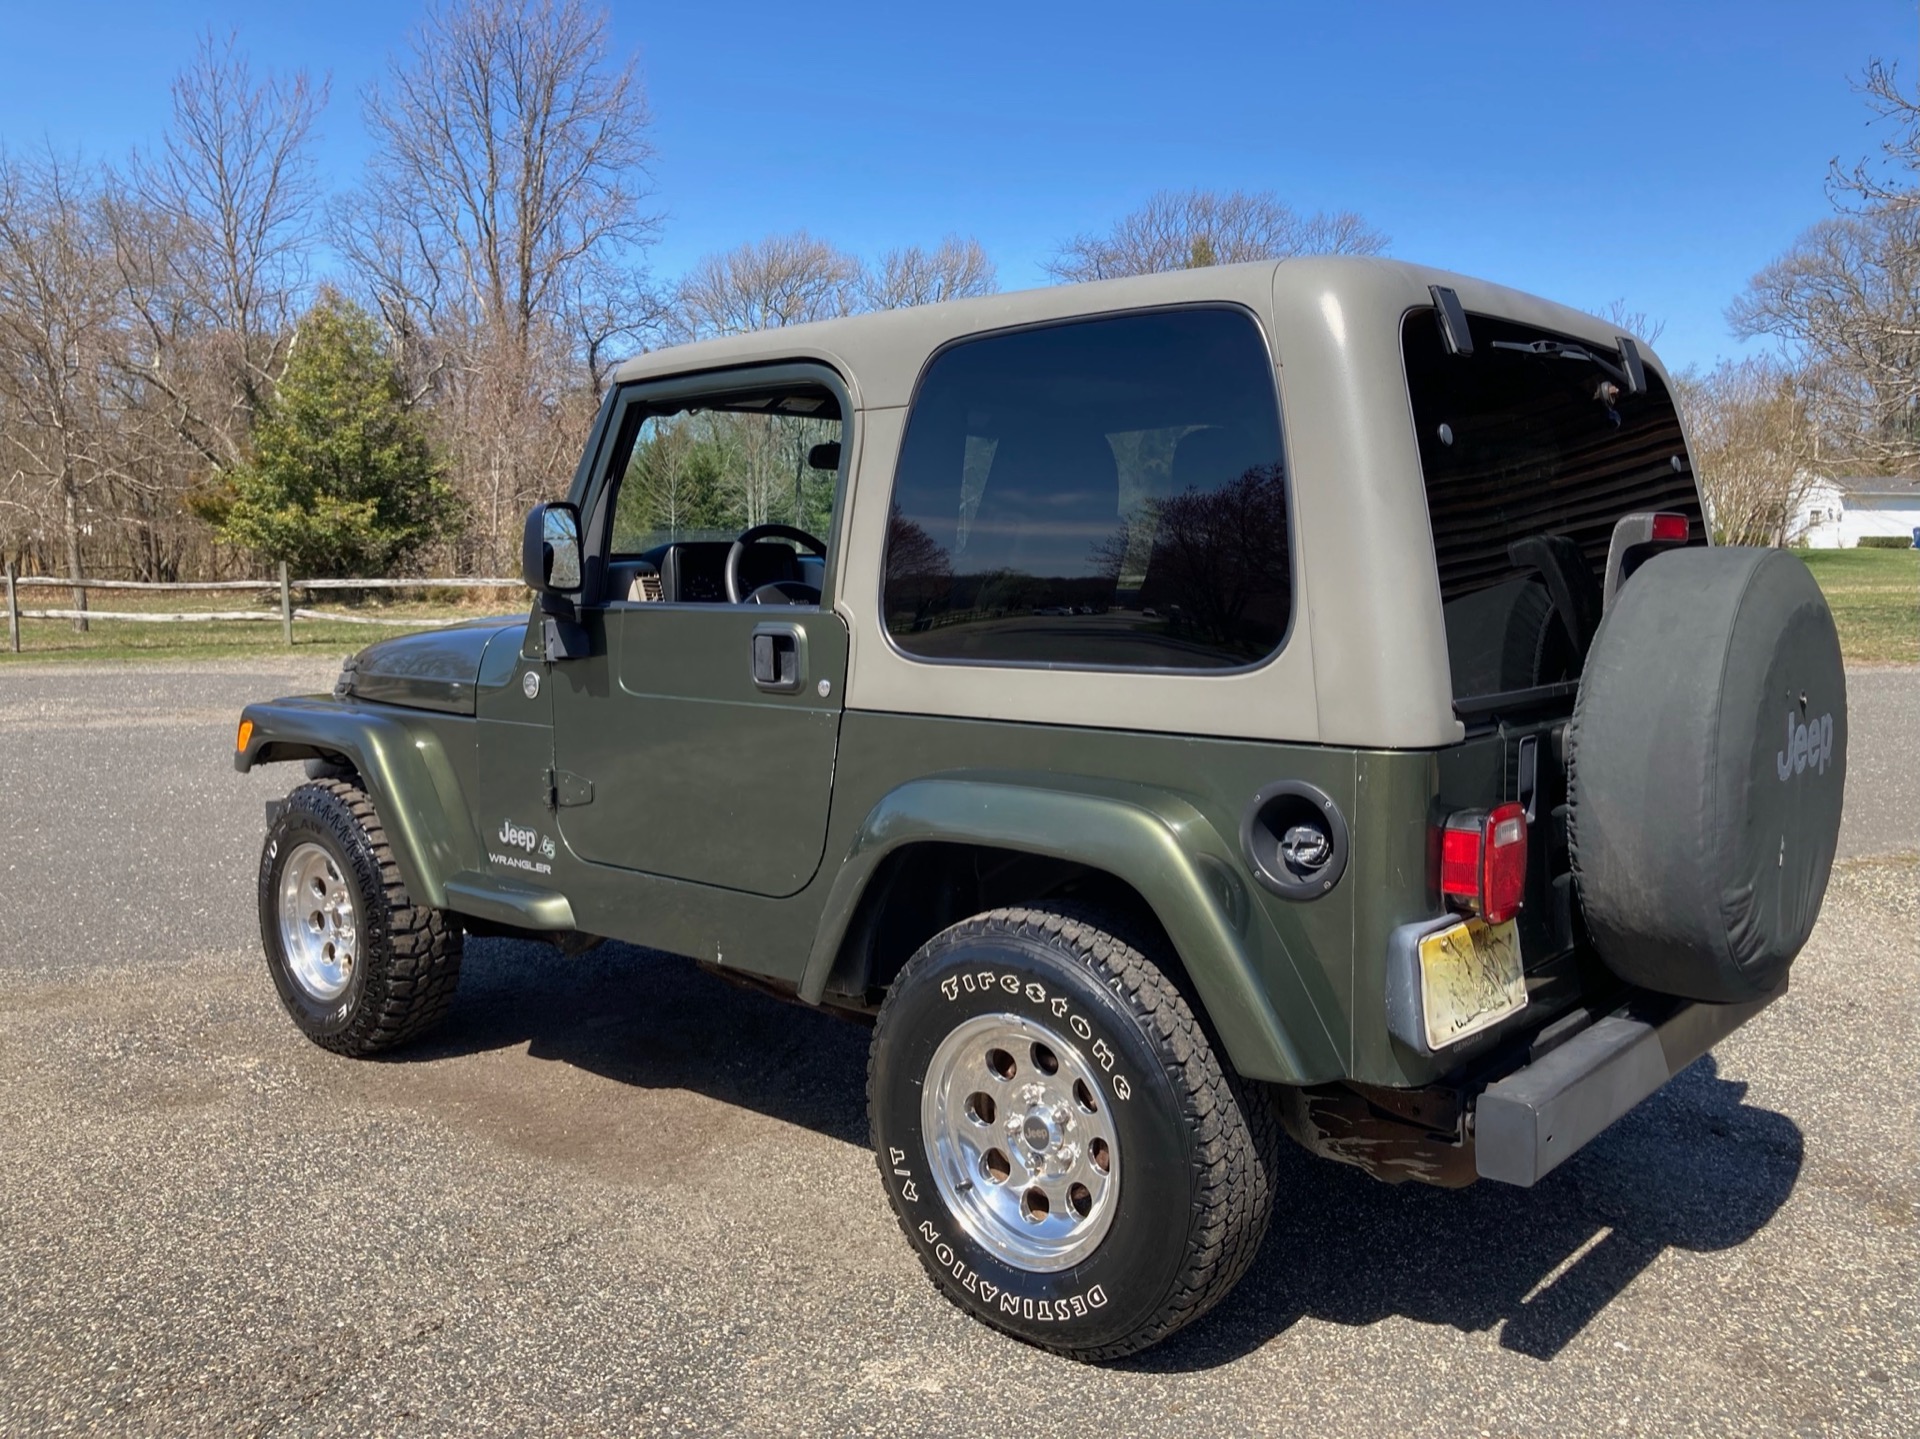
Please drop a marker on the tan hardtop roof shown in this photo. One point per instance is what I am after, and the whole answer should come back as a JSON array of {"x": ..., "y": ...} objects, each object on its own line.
[{"x": 881, "y": 354}]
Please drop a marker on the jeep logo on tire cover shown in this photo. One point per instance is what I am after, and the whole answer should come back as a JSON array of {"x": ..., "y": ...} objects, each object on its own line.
[{"x": 1807, "y": 744}]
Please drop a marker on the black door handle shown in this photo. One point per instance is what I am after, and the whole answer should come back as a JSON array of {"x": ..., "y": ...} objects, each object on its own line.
[{"x": 776, "y": 658}]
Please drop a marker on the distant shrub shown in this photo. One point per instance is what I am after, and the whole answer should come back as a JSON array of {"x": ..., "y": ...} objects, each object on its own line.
[
  {"x": 1886, "y": 542},
  {"x": 343, "y": 480}
]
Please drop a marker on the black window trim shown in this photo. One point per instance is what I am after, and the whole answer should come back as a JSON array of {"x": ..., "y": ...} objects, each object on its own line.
[
  {"x": 602, "y": 488},
  {"x": 1294, "y": 605}
]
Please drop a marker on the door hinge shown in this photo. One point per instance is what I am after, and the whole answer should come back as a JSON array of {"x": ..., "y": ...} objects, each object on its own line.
[{"x": 566, "y": 790}]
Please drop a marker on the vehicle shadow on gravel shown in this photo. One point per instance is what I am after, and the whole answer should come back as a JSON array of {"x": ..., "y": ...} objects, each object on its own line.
[
  {"x": 1695, "y": 1168},
  {"x": 658, "y": 1021}
]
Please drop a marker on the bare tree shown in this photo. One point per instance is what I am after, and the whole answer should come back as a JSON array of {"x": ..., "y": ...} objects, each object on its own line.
[
  {"x": 1186, "y": 229},
  {"x": 954, "y": 269},
  {"x": 792, "y": 279},
  {"x": 212, "y": 234},
  {"x": 511, "y": 151},
  {"x": 1754, "y": 445},
  {"x": 765, "y": 284},
  {"x": 1888, "y": 181},
  {"x": 1211, "y": 551},
  {"x": 611, "y": 311},
  {"x": 1635, "y": 324},
  {"x": 56, "y": 320},
  {"x": 918, "y": 569},
  {"x": 498, "y": 231},
  {"x": 1843, "y": 304}
]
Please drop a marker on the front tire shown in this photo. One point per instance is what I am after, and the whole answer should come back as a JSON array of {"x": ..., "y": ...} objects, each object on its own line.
[
  {"x": 1061, "y": 1146},
  {"x": 358, "y": 965}
]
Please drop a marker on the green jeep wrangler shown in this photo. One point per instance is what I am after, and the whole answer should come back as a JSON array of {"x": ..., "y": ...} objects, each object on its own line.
[{"x": 1291, "y": 698}]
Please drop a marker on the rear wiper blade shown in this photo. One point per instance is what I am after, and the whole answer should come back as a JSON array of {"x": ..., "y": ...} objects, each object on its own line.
[{"x": 1630, "y": 374}]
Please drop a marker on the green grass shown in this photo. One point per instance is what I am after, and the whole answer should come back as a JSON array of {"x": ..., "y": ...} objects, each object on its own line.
[
  {"x": 54, "y": 640},
  {"x": 1875, "y": 595}
]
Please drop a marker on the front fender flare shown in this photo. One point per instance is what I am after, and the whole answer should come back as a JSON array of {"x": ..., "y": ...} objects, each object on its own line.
[
  {"x": 1156, "y": 842},
  {"x": 406, "y": 769}
]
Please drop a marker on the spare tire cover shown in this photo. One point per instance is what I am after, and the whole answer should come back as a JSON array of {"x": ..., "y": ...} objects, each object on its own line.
[{"x": 1707, "y": 761}]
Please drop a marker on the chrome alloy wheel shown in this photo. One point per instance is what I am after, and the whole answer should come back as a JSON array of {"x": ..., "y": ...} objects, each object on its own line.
[
  {"x": 1021, "y": 1141},
  {"x": 318, "y": 932}
]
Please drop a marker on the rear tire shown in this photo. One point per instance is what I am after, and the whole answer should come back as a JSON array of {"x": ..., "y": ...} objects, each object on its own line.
[
  {"x": 1061, "y": 1146},
  {"x": 359, "y": 966}
]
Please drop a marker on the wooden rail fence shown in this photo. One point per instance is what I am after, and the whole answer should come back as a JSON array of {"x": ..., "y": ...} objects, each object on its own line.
[{"x": 286, "y": 612}]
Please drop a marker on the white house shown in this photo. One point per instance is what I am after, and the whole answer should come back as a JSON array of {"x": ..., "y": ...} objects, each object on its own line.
[{"x": 1835, "y": 514}]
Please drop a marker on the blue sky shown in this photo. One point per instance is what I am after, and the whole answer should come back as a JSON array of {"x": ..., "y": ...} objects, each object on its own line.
[{"x": 1656, "y": 152}]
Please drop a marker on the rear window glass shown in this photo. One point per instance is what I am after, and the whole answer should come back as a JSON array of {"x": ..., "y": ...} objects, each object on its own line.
[
  {"x": 1105, "y": 493},
  {"x": 1517, "y": 446}
]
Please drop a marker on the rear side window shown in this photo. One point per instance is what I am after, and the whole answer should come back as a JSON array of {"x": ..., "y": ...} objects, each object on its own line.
[
  {"x": 1516, "y": 446},
  {"x": 1105, "y": 493}
]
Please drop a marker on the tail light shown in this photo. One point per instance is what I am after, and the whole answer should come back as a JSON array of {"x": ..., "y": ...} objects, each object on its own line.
[
  {"x": 1483, "y": 862},
  {"x": 1670, "y": 529}
]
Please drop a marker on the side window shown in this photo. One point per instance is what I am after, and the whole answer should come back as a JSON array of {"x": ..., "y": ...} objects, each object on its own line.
[
  {"x": 1106, "y": 493},
  {"x": 694, "y": 474}
]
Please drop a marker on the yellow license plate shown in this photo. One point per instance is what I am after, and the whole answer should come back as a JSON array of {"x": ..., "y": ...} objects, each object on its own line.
[{"x": 1470, "y": 978}]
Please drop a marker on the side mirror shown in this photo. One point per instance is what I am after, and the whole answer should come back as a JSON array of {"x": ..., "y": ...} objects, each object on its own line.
[{"x": 550, "y": 549}]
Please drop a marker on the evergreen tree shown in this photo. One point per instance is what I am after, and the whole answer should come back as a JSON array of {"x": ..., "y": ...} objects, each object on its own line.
[{"x": 342, "y": 480}]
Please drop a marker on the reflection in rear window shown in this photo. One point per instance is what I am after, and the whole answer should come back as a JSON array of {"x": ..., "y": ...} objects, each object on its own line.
[
  {"x": 1105, "y": 493},
  {"x": 1516, "y": 446}
]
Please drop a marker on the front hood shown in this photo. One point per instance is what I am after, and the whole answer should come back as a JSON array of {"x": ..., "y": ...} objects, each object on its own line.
[{"x": 433, "y": 670}]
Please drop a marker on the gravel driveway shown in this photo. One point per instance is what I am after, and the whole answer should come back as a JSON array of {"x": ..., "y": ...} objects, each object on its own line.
[{"x": 615, "y": 1195}]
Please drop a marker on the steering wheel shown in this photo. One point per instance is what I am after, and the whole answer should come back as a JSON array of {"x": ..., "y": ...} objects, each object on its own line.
[{"x": 777, "y": 592}]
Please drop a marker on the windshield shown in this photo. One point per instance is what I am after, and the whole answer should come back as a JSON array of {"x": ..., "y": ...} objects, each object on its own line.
[{"x": 1520, "y": 446}]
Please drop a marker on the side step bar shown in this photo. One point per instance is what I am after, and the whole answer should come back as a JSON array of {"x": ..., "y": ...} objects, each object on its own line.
[{"x": 1527, "y": 1124}]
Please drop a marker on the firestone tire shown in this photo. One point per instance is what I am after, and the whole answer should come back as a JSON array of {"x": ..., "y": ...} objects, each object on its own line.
[
  {"x": 357, "y": 964},
  {"x": 1179, "y": 1213}
]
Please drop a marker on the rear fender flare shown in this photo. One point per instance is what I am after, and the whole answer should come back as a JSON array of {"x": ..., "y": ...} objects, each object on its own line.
[{"x": 1156, "y": 842}]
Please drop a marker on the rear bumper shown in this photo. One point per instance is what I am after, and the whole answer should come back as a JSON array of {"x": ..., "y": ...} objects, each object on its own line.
[{"x": 1526, "y": 1124}]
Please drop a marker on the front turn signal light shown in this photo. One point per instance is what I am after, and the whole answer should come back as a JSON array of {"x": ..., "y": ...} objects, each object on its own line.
[{"x": 245, "y": 734}]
